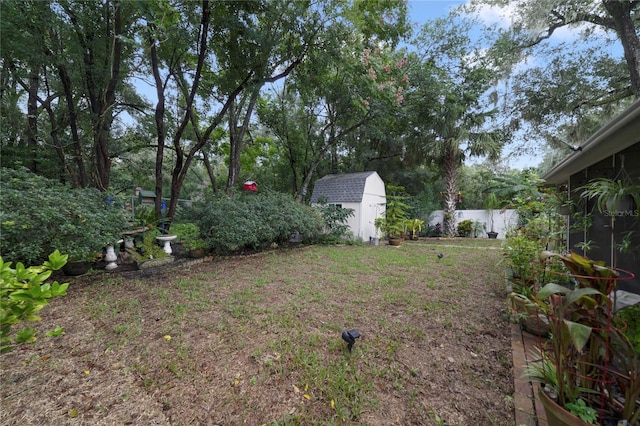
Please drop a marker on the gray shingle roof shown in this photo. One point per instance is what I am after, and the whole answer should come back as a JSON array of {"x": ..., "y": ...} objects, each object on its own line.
[{"x": 347, "y": 187}]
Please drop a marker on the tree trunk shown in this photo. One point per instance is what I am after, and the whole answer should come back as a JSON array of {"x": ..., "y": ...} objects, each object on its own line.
[
  {"x": 236, "y": 138},
  {"x": 620, "y": 12},
  {"x": 32, "y": 118},
  {"x": 108, "y": 98},
  {"x": 81, "y": 173},
  {"x": 450, "y": 197},
  {"x": 210, "y": 173},
  {"x": 159, "y": 120}
]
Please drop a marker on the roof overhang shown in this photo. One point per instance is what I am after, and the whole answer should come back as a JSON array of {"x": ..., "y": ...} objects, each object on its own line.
[{"x": 618, "y": 134}]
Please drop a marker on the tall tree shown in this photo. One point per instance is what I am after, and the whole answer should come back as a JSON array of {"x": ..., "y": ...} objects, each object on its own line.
[
  {"x": 70, "y": 65},
  {"x": 569, "y": 78},
  {"x": 453, "y": 103}
]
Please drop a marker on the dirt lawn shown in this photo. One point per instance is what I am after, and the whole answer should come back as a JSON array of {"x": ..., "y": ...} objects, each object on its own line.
[{"x": 257, "y": 340}]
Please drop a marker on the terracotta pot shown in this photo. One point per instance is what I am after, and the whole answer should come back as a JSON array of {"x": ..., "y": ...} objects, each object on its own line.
[
  {"x": 557, "y": 415},
  {"x": 395, "y": 241},
  {"x": 529, "y": 316},
  {"x": 197, "y": 253}
]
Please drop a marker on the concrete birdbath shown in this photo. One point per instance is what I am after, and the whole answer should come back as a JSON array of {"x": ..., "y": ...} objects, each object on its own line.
[{"x": 166, "y": 239}]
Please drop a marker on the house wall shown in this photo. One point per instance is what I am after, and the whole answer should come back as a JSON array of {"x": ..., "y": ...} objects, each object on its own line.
[
  {"x": 502, "y": 220},
  {"x": 608, "y": 229}
]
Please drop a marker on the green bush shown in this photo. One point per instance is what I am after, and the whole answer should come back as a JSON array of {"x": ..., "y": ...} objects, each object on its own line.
[
  {"x": 24, "y": 292},
  {"x": 521, "y": 253},
  {"x": 631, "y": 316},
  {"x": 465, "y": 228},
  {"x": 334, "y": 220},
  {"x": 254, "y": 221},
  {"x": 39, "y": 216}
]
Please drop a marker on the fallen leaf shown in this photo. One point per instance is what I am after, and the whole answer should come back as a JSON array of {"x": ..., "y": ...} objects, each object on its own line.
[
  {"x": 167, "y": 337},
  {"x": 86, "y": 372},
  {"x": 333, "y": 404},
  {"x": 236, "y": 383},
  {"x": 295, "y": 389},
  {"x": 306, "y": 396}
]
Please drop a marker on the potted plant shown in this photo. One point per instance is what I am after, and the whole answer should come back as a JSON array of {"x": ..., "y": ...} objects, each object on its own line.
[
  {"x": 612, "y": 194},
  {"x": 396, "y": 213},
  {"x": 414, "y": 226},
  {"x": 591, "y": 368},
  {"x": 491, "y": 203},
  {"x": 196, "y": 247},
  {"x": 149, "y": 253},
  {"x": 377, "y": 223},
  {"x": 465, "y": 228},
  {"x": 521, "y": 255},
  {"x": 477, "y": 228}
]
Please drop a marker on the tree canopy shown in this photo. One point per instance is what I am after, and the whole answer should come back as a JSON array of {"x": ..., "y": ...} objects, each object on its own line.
[{"x": 181, "y": 95}]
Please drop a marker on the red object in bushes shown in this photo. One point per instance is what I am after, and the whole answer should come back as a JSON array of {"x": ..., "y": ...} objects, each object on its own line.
[{"x": 250, "y": 186}]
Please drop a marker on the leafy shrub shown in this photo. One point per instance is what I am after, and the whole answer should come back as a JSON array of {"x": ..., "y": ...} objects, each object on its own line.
[
  {"x": 185, "y": 231},
  {"x": 39, "y": 216},
  {"x": 465, "y": 228},
  {"x": 520, "y": 251},
  {"x": 23, "y": 292},
  {"x": 148, "y": 247},
  {"x": 254, "y": 221},
  {"x": 334, "y": 220}
]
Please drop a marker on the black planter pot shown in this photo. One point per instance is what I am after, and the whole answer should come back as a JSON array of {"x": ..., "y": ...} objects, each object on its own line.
[
  {"x": 492, "y": 235},
  {"x": 76, "y": 267}
]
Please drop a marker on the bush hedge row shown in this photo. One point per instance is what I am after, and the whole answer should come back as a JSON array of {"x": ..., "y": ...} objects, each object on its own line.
[{"x": 39, "y": 215}]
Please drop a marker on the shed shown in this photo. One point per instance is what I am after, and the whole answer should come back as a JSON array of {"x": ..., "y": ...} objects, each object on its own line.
[
  {"x": 364, "y": 192},
  {"x": 612, "y": 152}
]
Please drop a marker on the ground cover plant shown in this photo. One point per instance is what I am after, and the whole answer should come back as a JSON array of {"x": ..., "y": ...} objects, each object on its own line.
[{"x": 256, "y": 340}]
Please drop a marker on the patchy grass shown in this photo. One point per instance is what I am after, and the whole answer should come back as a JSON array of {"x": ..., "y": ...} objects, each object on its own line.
[{"x": 256, "y": 340}]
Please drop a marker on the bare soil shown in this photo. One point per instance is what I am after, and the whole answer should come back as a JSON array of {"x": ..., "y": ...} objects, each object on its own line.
[{"x": 256, "y": 340}]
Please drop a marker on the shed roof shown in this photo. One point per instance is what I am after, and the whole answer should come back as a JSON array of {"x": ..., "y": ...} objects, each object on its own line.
[
  {"x": 618, "y": 134},
  {"x": 346, "y": 187}
]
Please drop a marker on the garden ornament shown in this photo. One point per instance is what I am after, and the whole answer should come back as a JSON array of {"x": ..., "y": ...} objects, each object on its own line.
[{"x": 350, "y": 337}]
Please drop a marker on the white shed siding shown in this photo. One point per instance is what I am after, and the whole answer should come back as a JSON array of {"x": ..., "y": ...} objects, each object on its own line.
[
  {"x": 364, "y": 192},
  {"x": 373, "y": 206}
]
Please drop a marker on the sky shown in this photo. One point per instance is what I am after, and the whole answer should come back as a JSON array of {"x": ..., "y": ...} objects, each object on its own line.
[{"x": 424, "y": 10}]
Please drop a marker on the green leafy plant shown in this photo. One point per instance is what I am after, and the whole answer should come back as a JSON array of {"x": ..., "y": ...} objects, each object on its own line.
[
  {"x": 255, "y": 221},
  {"x": 580, "y": 409},
  {"x": 414, "y": 226},
  {"x": 23, "y": 292},
  {"x": 335, "y": 219},
  {"x": 491, "y": 203},
  {"x": 478, "y": 228},
  {"x": 148, "y": 247},
  {"x": 630, "y": 317},
  {"x": 396, "y": 213},
  {"x": 585, "y": 345},
  {"x": 521, "y": 253},
  {"x": 465, "y": 228},
  {"x": 607, "y": 193},
  {"x": 39, "y": 216}
]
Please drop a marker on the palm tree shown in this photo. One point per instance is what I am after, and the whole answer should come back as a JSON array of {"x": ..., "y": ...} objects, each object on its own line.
[
  {"x": 450, "y": 97},
  {"x": 457, "y": 134}
]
